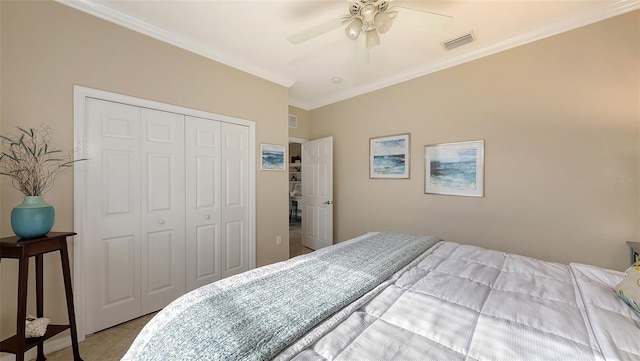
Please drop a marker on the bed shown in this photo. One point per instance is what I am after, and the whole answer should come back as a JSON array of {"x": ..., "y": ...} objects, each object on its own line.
[{"x": 394, "y": 296}]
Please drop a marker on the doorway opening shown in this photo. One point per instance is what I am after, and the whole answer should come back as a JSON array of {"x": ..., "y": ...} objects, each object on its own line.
[{"x": 295, "y": 198}]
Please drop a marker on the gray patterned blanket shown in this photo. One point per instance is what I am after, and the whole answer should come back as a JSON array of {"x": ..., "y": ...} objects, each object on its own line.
[{"x": 258, "y": 317}]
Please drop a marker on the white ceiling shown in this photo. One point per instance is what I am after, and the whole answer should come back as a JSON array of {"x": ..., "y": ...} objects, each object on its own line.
[{"x": 251, "y": 36}]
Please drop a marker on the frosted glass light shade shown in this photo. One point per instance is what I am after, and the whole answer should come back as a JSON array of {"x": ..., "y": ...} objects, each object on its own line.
[
  {"x": 353, "y": 29},
  {"x": 383, "y": 22}
]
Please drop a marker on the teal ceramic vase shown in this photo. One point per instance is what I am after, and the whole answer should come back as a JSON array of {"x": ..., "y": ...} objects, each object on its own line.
[{"x": 33, "y": 218}]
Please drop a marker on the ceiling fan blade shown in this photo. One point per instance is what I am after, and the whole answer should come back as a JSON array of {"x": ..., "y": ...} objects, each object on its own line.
[
  {"x": 362, "y": 52},
  {"x": 318, "y": 30},
  {"x": 421, "y": 20}
]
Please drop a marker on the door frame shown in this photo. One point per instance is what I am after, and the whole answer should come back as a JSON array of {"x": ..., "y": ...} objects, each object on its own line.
[
  {"x": 80, "y": 95},
  {"x": 297, "y": 140}
]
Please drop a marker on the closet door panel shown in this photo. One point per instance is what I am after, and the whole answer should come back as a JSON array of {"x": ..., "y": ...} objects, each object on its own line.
[
  {"x": 158, "y": 257},
  {"x": 207, "y": 252},
  {"x": 203, "y": 202},
  {"x": 112, "y": 242},
  {"x": 235, "y": 211},
  {"x": 117, "y": 180},
  {"x": 120, "y": 265},
  {"x": 163, "y": 242},
  {"x": 234, "y": 246}
]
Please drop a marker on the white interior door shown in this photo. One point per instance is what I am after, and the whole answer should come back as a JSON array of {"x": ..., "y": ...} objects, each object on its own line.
[
  {"x": 317, "y": 193},
  {"x": 112, "y": 246},
  {"x": 203, "y": 220}
]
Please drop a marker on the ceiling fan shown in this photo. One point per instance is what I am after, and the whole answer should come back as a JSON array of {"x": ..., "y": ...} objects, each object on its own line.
[{"x": 369, "y": 18}]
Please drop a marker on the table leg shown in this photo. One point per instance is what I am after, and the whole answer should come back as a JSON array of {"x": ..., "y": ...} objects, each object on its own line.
[
  {"x": 66, "y": 272},
  {"x": 39, "y": 301},
  {"x": 23, "y": 275}
]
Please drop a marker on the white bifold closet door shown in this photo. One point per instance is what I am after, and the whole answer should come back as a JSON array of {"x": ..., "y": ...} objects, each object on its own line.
[
  {"x": 235, "y": 199},
  {"x": 204, "y": 235},
  {"x": 167, "y": 208},
  {"x": 217, "y": 223},
  {"x": 136, "y": 213}
]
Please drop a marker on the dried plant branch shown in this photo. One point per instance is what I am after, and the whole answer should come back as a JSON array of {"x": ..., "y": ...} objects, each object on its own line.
[{"x": 29, "y": 161}]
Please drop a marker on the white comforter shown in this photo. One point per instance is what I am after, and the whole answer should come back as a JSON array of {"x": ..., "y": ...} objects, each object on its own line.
[{"x": 467, "y": 303}]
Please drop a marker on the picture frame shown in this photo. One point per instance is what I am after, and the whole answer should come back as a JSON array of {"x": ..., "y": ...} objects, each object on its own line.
[
  {"x": 272, "y": 157},
  {"x": 389, "y": 156},
  {"x": 455, "y": 169}
]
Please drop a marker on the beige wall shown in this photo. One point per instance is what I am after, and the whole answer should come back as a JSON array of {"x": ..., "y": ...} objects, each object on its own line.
[
  {"x": 48, "y": 47},
  {"x": 560, "y": 120},
  {"x": 302, "y": 130}
]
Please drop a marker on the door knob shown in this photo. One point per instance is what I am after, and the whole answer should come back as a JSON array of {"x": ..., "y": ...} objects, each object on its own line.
[
  {"x": 161, "y": 221},
  {"x": 327, "y": 202},
  {"x": 207, "y": 217}
]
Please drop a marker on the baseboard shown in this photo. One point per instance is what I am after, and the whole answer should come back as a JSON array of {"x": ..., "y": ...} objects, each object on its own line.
[{"x": 49, "y": 347}]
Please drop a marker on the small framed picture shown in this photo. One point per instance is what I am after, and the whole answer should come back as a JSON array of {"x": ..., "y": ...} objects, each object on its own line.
[
  {"x": 455, "y": 169},
  {"x": 272, "y": 157},
  {"x": 389, "y": 156}
]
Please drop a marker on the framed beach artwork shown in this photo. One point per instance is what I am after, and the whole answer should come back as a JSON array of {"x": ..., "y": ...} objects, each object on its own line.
[
  {"x": 455, "y": 169},
  {"x": 272, "y": 157},
  {"x": 389, "y": 157}
]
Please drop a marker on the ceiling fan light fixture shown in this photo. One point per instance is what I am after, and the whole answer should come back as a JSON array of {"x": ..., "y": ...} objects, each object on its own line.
[
  {"x": 353, "y": 29},
  {"x": 368, "y": 12},
  {"x": 354, "y": 8},
  {"x": 372, "y": 38},
  {"x": 383, "y": 22}
]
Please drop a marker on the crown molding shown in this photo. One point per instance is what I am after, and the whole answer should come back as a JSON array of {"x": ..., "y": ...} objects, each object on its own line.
[
  {"x": 606, "y": 11},
  {"x": 109, "y": 14}
]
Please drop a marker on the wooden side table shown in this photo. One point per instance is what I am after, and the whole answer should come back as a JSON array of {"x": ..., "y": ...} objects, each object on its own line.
[
  {"x": 15, "y": 247},
  {"x": 635, "y": 251}
]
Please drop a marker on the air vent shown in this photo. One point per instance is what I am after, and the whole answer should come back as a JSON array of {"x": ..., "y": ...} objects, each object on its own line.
[
  {"x": 459, "y": 41},
  {"x": 293, "y": 121}
]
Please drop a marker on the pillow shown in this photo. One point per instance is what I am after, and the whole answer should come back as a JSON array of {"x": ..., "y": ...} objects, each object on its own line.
[{"x": 629, "y": 288}]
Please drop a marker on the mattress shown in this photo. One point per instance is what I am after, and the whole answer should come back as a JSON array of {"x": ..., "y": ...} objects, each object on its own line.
[{"x": 453, "y": 302}]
